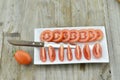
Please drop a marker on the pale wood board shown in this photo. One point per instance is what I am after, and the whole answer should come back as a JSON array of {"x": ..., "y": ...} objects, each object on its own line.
[{"x": 25, "y": 15}]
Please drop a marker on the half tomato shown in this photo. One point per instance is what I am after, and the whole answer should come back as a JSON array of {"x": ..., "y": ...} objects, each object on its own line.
[
  {"x": 99, "y": 34},
  {"x": 93, "y": 35},
  {"x": 66, "y": 35},
  {"x": 58, "y": 35},
  {"x": 43, "y": 57},
  {"x": 46, "y": 35},
  {"x": 74, "y": 36},
  {"x": 51, "y": 53},
  {"x": 78, "y": 53},
  {"x": 61, "y": 53},
  {"x": 84, "y": 35},
  {"x": 86, "y": 51},
  {"x": 97, "y": 50},
  {"x": 69, "y": 53}
]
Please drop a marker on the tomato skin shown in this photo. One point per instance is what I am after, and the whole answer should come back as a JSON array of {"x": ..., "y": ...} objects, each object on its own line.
[
  {"x": 69, "y": 53},
  {"x": 97, "y": 50},
  {"x": 43, "y": 57},
  {"x": 51, "y": 53},
  {"x": 99, "y": 34},
  {"x": 46, "y": 35},
  {"x": 86, "y": 51},
  {"x": 66, "y": 35},
  {"x": 74, "y": 36},
  {"x": 22, "y": 57},
  {"x": 78, "y": 53},
  {"x": 58, "y": 35},
  {"x": 61, "y": 53},
  {"x": 93, "y": 35},
  {"x": 84, "y": 35}
]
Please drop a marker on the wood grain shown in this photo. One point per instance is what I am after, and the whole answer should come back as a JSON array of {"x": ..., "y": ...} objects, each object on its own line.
[
  {"x": 114, "y": 13},
  {"x": 24, "y": 15}
]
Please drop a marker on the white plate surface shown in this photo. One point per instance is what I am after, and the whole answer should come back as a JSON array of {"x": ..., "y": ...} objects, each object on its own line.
[{"x": 103, "y": 42}]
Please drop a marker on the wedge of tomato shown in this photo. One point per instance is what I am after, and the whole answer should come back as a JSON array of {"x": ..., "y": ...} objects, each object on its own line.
[
  {"x": 46, "y": 35},
  {"x": 74, "y": 36},
  {"x": 43, "y": 57},
  {"x": 86, "y": 51},
  {"x": 58, "y": 35},
  {"x": 61, "y": 53},
  {"x": 84, "y": 35},
  {"x": 66, "y": 35},
  {"x": 69, "y": 53},
  {"x": 78, "y": 53},
  {"x": 97, "y": 50},
  {"x": 99, "y": 34},
  {"x": 93, "y": 35},
  {"x": 51, "y": 53}
]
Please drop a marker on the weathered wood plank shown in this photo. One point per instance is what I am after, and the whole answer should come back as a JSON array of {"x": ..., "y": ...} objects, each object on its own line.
[
  {"x": 28, "y": 19},
  {"x": 53, "y": 13},
  {"x": 114, "y": 31},
  {"x": 9, "y": 69},
  {"x": 90, "y": 13},
  {"x": 1, "y": 40},
  {"x": 23, "y": 16}
]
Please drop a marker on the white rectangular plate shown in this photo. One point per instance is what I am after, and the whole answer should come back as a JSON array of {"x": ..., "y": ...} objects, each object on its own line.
[{"x": 103, "y": 42}]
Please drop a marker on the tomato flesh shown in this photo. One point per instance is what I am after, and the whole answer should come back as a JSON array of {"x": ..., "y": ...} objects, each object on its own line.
[
  {"x": 99, "y": 34},
  {"x": 66, "y": 35},
  {"x": 74, "y": 36},
  {"x": 69, "y": 53},
  {"x": 42, "y": 54},
  {"x": 86, "y": 51},
  {"x": 51, "y": 53},
  {"x": 97, "y": 50},
  {"x": 78, "y": 54},
  {"x": 93, "y": 35},
  {"x": 84, "y": 35},
  {"x": 61, "y": 53},
  {"x": 46, "y": 35},
  {"x": 58, "y": 35}
]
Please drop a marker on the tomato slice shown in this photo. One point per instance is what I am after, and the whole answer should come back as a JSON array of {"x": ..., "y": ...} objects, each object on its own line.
[
  {"x": 97, "y": 50},
  {"x": 74, "y": 36},
  {"x": 61, "y": 53},
  {"x": 78, "y": 53},
  {"x": 69, "y": 53},
  {"x": 86, "y": 51},
  {"x": 51, "y": 53},
  {"x": 84, "y": 35},
  {"x": 99, "y": 34},
  {"x": 66, "y": 35},
  {"x": 43, "y": 54},
  {"x": 58, "y": 35},
  {"x": 46, "y": 35},
  {"x": 93, "y": 35}
]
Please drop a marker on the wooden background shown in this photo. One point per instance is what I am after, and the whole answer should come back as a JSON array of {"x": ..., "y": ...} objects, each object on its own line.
[{"x": 24, "y": 15}]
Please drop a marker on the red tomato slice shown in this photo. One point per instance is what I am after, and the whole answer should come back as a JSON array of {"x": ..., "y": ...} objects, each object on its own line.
[
  {"x": 78, "y": 53},
  {"x": 46, "y": 35},
  {"x": 69, "y": 53},
  {"x": 61, "y": 53},
  {"x": 84, "y": 35},
  {"x": 99, "y": 34},
  {"x": 66, "y": 35},
  {"x": 51, "y": 53},
  {"x": 86, "y": 51},
  {"x": 93, "y": 35},
  {"x": 97, "y": 50},
  {"x": 43, "y": 54},
  {"x": 74, "y": 36},
  {"x": 58, "y": 35}
]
